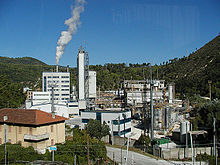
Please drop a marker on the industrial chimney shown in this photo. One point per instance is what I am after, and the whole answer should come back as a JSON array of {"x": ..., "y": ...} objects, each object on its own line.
[
  {"x": 57, "y": 68},
  {"x": 67, "y": 68}
]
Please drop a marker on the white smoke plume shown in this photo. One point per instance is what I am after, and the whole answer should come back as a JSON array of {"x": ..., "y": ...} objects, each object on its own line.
[{"x": 72, "y": 23}]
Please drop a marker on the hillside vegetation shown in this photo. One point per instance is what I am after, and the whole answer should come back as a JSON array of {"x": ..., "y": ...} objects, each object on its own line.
[
  {"x": 190, "y": 73},
  {"x": 11, "y": 94},
  {"x": 22, "y": 60}
]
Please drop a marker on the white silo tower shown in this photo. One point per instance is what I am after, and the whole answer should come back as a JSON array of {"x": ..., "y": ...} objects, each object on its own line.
[{"x": 82, "y": 74}]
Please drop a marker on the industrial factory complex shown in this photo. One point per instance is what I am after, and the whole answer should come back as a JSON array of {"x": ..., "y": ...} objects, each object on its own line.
[
  {"x": 146, "y": 101},
  {"x": 139, "y": 107}
]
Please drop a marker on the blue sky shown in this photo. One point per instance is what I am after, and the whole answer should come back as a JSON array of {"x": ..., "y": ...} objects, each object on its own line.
[{"x": 112, "y": 31}]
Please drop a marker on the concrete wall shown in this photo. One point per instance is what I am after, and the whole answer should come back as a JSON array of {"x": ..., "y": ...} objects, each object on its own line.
[
  {"x": 180, "y": 153},
  {"x": 118, "y": 140}
]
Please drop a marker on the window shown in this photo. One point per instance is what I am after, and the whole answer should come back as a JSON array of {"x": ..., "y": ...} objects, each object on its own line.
[
  {"x": 30, "y": 131},
  {"x": 65, "y": 77},
  {"x": 19, "y": 130},
  {"x": 0, "y": 140},
  {"x": 65, "y": 81},
  {"x": 51, "y": 128},
  {"x": 52, "y": 142},
  {"x": 65, "y": 86},
  {"x": 9, "y": 140},
  {"x": 85, "y": 120},
  {"x": 65, "y": 94},
  {"x": 65, "y": 89},
  {"x": 73, "y": 105}
]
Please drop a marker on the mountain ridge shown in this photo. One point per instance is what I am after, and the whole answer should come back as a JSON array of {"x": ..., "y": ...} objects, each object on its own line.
[{"x": 190, "y": 73}]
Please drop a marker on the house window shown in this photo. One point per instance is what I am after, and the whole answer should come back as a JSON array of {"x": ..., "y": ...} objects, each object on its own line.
[
  {"x": 30, "y": 131},
  {"x": 52, "y": 142},
  {"x": 19, "y": 130},
  {"x": 0, "y": 140},
  {"x": 9, "y": 140},
  {"x": 9, "y": 128},
  {"x": 51, "y": 128}
]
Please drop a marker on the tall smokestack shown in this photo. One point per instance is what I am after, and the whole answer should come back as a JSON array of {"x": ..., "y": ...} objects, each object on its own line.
[
  {"x": 67, "y": 68},
  {"x": 72, "y": 23},
  {"x": 57, "y": 68}
]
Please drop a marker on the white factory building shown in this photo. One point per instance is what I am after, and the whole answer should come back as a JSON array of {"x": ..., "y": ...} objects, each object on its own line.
[
  {"x": 61, "y": 83},
  {"x": 92, "y": 84},
  {"x": 118, "y": 121},
  {"x": 138, "y": 90},
  {"x": 65, "y": 104}
]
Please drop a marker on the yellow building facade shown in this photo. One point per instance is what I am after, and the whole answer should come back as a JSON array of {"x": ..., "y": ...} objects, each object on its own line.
[{"x": 32, "y": 128}]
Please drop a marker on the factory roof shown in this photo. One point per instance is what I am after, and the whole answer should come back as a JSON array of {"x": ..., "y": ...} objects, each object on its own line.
[
  {"x": 107, "y": 111},
  {"x": 28, "y": 117}
]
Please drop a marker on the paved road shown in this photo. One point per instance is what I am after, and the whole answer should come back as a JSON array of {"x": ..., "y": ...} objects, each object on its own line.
[{"x": 133, "y": 158}]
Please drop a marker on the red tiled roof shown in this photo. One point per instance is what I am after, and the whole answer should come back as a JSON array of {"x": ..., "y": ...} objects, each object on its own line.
[{"x": 28, "y": 116}]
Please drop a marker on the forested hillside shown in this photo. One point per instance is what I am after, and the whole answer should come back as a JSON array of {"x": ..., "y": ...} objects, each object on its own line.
[
  {"x": 11, "y": 94},
  {"x": 22, "y": 60},
  {"x": 190, "y": 73}
]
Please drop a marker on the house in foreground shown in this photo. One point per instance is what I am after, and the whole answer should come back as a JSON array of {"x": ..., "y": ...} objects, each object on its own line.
[{"x": 31, "y": 127}]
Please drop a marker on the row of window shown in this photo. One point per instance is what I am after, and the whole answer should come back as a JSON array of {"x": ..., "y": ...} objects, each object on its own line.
[
  {"x": 65, "y": 94},
  {"x": 65, "y": 86},
  {"x": 58, "y": 76},
  {"x": 58, "y": 89},
  {"x": 65, "y": 89},
  {"x": 64, "y": 76},
  {"x": 65, "y": 98},
  {"x": 115, "y": 122},
  {"x": 66, "y": 81},
  {"x": 53, "y": 81},
  {"x": 115, "y": 133},
  {"x": 53, "y": 76},
  {"x": 9, "y": 129},
  {"x": 40, "y": 94}
]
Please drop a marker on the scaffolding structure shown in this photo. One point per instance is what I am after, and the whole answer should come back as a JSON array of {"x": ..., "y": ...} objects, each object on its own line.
[{"x": 86, "y": 74}]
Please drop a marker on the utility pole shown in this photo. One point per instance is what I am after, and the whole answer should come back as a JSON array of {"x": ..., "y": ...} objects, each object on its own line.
[
  {"x": 151, "y": 105},
  {"x": 112, "y": 134},
  {"x": 124, "y": 116},
  {"x": 186, "y": 152},
  {"x": 214, "y": 141},
  {"x": 5, "y": 137},
  {"x": 145, "y": 106}
]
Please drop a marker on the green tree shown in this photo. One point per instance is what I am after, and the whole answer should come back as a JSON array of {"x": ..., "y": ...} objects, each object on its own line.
[{"x": 95, "y": 129}]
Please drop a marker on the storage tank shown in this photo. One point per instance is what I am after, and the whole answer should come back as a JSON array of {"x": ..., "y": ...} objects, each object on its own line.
[
  {"x": 184, "y": 126},
  {"x": 170, "y": 90}
]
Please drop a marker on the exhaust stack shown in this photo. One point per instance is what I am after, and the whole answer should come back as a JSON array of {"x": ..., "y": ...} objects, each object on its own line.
[
  {"x": 57, "y": 68},
  {"x": 67, "y": 68}
]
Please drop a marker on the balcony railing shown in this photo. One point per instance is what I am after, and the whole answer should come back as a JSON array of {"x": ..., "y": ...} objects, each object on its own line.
[{"x": 36, "y": 137}]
